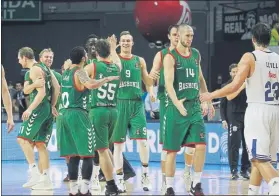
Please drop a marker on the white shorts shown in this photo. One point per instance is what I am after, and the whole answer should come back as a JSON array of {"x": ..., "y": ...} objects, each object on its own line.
[{"x": 261, "y": 131}]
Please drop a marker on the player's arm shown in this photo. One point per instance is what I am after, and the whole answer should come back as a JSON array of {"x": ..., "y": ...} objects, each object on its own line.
[
  {"x": 90, "y": 69},
  {"x": 56, "y": 89},
  {"x": 236, "y": 93},
  {"x": 28, "y": 88},
  {"x": 113, "y": 54},
  {"x": 7, "y": 100},
  {"x": 144, "y": 74},
  {"x": 157, "y": 64},
  {"x": 82, "y": 76},
  {"x": 243, "y": 72}
]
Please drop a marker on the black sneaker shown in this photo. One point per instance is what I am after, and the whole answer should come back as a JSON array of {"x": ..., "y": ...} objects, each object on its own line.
[
  {"x": 66, "y": 179},
  {"x": 235, "y": 176},
  {"x": 88, "y": 193},
  {"x": 111, "y": 190},
  {"x": 197, "y": 190},
  {"x": 170, "y": 191},
  {"x": 245, "y": 175}
]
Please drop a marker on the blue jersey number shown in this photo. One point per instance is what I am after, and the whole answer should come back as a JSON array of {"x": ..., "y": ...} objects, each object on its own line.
[{"x": 272, "y": 91}]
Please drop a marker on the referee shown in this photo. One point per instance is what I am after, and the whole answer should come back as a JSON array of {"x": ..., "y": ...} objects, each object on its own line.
[{"x": 232, "y": 113}]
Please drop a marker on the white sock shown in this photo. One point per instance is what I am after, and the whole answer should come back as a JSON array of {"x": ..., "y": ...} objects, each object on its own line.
[
  {"x": 170, "y": 182},
  {"x": 84, "y": 186},
  {"x": 253, "y": 190},
  {"x": 188, "y": 168},
  {"x": 144, "y": 170},
  {"x": 273, "y": 182},
  {"x": 163, "y": 178},
  {"x": 96, "y": 170},
  {"x": 73, "y": 187},
  {"x": 196, "y": 178},
  {"x": 46, "y": 172}
]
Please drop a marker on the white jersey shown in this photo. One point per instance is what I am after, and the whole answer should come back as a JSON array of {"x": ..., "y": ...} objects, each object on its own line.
[{"x": 263, "y": 85}]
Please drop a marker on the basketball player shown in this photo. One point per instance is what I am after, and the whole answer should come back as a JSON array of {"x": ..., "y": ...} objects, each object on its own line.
[
  {"x": 103, "y": 112},
  {"x": 37, "y": 118},
  {"x": 184, "y": 124},
  {"x": 77, "y": 135},
  {"x": 131, "y": 110},
  {"x": 7, "y": 101},
  {"x": 260, "y": 69}
]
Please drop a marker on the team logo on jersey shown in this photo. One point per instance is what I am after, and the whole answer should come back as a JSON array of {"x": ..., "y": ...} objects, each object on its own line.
[
  {"x": 202, "y": 135},
  {"x": 109, "y": 69},
  {"x": 137, "y": 65},
  {"x": 138, "y": 132},
  {"x": 197, "y": 62},
  {"x": 100, "y": 75}
]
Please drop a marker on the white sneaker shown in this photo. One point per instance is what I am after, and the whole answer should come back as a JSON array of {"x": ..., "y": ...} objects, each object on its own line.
[
  {"x": 145, "y": 182},
  {"x": 163, "y": 188},
  {"x": 33, "y": 179},
  {"x": 95, "y": 184},
  {"x": 187, "y": 180},
  {"x": 44, "y": 183},
  {"x": 121, "y": 184}
]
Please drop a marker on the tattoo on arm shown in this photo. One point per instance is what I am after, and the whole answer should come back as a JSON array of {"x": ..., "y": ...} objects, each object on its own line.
[{"x": 82, "y": 76}]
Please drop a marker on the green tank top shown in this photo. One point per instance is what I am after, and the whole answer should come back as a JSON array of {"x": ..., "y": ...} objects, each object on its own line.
[
  {"x": 71, "y": 97},
  {"x": 161, "y": 89},
  {"x": 48, "y": 84},
  {"x": 59, "y": 78},
  {"x": 186, "y": 75},
  {"x": 106, "y": 94},
  {"x": 130, "y": 86}
]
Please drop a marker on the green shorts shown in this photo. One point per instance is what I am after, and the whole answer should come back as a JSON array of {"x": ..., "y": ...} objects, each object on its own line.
[
  {"x": 38, "y": 128},
  {"x": 162, "y": 116},
  {"x": 103, "y": 120},
  {"x": 76, "y": 133},
  {"x": 184, "y": 130},
  {"x": 130, "y": 114}
]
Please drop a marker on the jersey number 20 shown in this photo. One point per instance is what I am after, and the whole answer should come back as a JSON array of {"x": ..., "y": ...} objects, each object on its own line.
[
  {"x": 108, "y": 92},
  {"x": 272, "y": 91}
]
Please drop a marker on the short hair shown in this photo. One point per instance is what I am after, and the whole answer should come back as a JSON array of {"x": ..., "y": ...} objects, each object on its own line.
[
  {"x": 45, "y": 50},
  {"x": 171, "y": 27},
  {"x": 103, "y": 48},
  {"x": 77, "y": 54},
  {"x": 125, "y": 33},
  {"x": 234, "y": 65},
  {"x": 92, "y": 36},
  {"x": 184, "y": 26},
  {"x": 27, "y": 52},
  {"x": 262, "y": 34}
]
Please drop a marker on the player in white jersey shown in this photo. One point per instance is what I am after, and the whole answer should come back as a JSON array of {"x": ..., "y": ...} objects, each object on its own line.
[{"x": 260, "y": 69}]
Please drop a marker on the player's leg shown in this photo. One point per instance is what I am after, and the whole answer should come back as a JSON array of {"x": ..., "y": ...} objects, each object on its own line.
[
  {"x": 188, "y": 155},
  {"x": 28, "y": 131},
  {"x": 175, "y": 131},
  {"x": 245, "y": 163},
  {"x": 138, "y": 132},
  {"x": 262, "y": 141},
  {"x": 119, "y": 138}
]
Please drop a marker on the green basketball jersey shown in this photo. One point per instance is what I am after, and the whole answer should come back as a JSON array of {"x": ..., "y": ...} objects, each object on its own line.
[
  {"x": 130, "y": 86},
  {"x": 106, "y": 94},
  {"x": 161, "y": 89},
  {"x": 48, "y": 84},
  {"x": 186, "y": 75},
  {"x": 58, "y": 76},
  {"x": 70, "y": 96}
]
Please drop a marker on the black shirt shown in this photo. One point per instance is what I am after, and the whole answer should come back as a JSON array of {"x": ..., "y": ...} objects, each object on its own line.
[{"x": 21, "y": 100}]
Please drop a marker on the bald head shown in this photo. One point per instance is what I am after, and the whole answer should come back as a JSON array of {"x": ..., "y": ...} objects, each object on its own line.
[
  {"x": 184, "y": 27},
  {"x": 186, "y": 34}
]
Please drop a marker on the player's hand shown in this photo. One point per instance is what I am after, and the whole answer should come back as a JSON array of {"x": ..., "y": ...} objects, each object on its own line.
[
  {"x": 204, "y": 108},
  {"x": 26, "y": 114},
  {"x": 205, "y": 97},
  {"x": 113, "y": 42},
  {"x": 67, "y": 64},
  {"x": 154, "y": 75},
  {"x": 110, "y": 78},
  {"x": 152, "y": 97},
  {"x": 10, "y": 125},
  {"x": 54, "y": 111},
  {"x": 152, "y": 115},
  {"x": 179, "y": 105},
  {"x": 211, "y": 113},
  {"x": 225, "y": 125},
  {"x": 40, "y": 82}
]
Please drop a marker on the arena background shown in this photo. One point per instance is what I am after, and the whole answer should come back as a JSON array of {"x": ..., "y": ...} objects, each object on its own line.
[{"x": 61, "y": 26}]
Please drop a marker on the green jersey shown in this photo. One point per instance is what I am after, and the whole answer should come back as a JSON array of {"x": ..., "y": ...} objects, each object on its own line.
[
  {"x": 71, "y": 96},
  {"x": 161, "y": 89},
  {"x": 48, "y": 84},
  {"x": 59, "y": 79},
  {"x": 186, "y": 75},
  {"x": 106, "y": 94},
  {"x": 130, "y": 86}
]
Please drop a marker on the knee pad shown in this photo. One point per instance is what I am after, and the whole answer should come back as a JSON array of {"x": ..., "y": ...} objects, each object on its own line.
[
  {"x": 164, "y": 155},
  {"x": 189, "y": 151},
  {"x": 73, "y": 168}
]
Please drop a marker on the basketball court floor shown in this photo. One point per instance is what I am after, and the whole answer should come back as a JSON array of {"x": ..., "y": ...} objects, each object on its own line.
[{"x": 215, "y": 181}]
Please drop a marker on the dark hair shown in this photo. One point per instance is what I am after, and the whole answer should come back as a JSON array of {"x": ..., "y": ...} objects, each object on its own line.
[
  {"x": 103, "y": 48},
  {"x": 77, "y": 54},
  {"x": 171, "y": 27},
  {"x": 19, "y": 82},
  {"x": 262, "y": 34},
  {"x": 27, "y": 52},
  {"x": 234, "y": 65}
]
